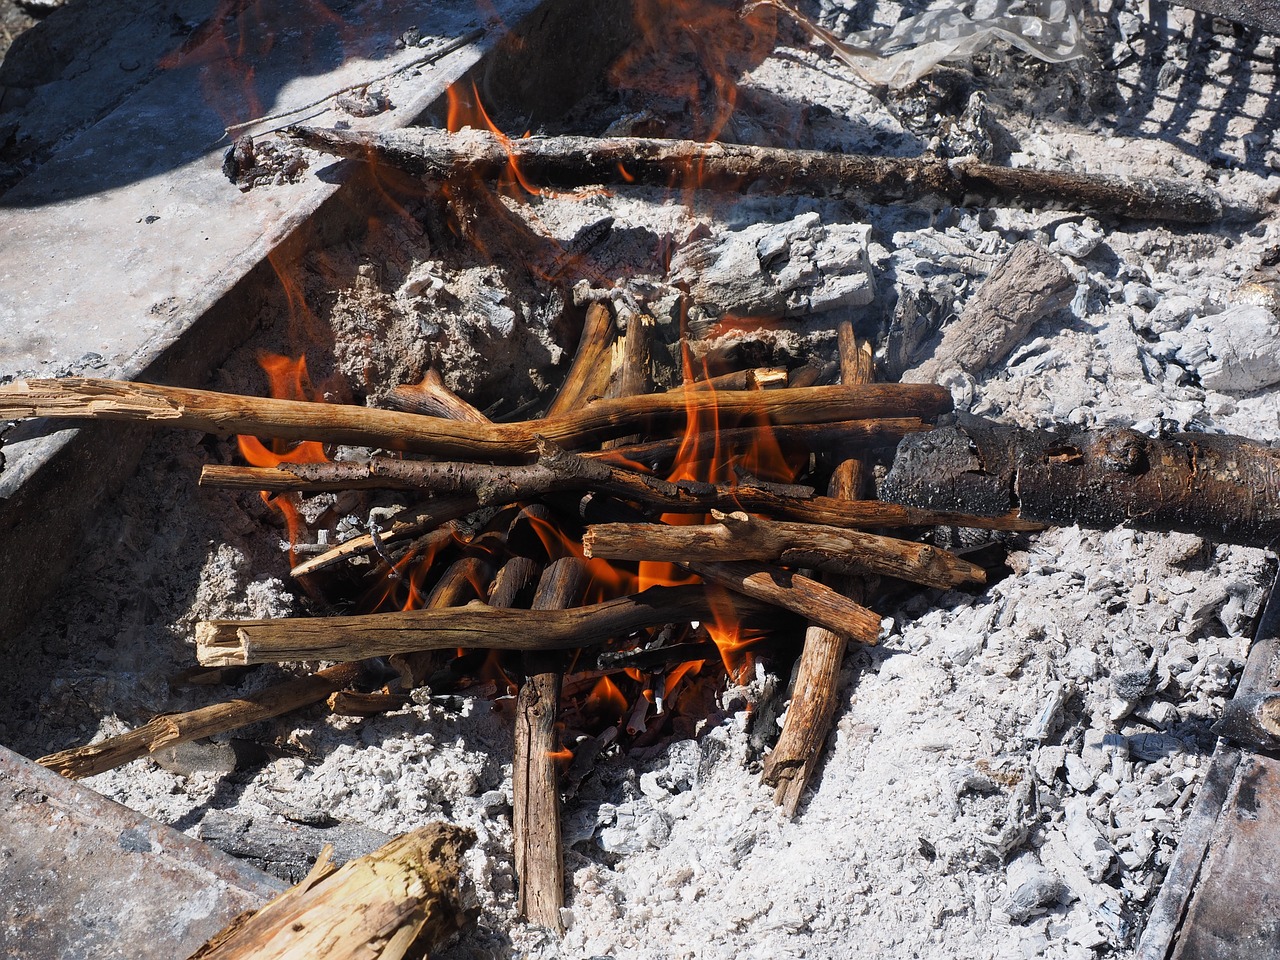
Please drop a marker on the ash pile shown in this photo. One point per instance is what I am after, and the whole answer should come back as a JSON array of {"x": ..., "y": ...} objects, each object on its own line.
[{"x": 1010, "y": 766}]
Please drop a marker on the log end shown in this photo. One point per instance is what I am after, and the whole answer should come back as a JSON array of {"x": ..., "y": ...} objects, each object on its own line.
[{"x": 220, "y": 643}]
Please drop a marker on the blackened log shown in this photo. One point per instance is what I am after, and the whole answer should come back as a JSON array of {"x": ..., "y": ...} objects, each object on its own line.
[{"x": 1222, "y": 488}]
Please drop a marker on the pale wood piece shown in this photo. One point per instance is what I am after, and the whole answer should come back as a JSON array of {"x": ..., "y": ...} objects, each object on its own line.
[
  {"x": 226, "y": 414},
  {"x": 588, "y": 374},
  {"x": 476, "y": 625},
  {"x": 174, "y": 728},
  {"x": 742, "y": 536},
  {"x": 1026, "y": 285},
  {"x": 793, "y": 592},
  {"x": 372, "y": 908},
  {"x": 579, "y": 161},
  {"x": 535, "y": 820}
]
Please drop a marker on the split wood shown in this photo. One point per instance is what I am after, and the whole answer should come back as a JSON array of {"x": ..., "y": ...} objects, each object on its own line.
[
  {"x": 742, "y": 536},
  {"x": 581, "y": 161},
  {"x": 171, "y": 729},
  {"x": 476, "y": 625},
  {"x": 535, "y": 821},
  {"x": 1026, "y": 285},
  {"x": 405, "y": 894},
  {"x": 225, "y": 414}
]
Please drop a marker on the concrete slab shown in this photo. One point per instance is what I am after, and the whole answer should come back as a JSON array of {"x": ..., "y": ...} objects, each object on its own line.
[
  {"x": 85, "y": 877},
  {"x": 128, "y": 254}
]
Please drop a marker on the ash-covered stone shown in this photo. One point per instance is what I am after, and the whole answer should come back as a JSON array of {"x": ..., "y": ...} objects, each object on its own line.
[{"x": 796, "y": 268}]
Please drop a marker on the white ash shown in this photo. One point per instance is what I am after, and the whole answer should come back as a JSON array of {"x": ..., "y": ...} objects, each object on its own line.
[{"x": 1009, "y": 770}]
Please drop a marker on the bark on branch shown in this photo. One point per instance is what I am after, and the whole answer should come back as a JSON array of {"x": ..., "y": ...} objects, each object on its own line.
[
  {"x": 742, "y": 536},
  {"x": 225, "y": 414},
  {"x": 477, "y": 625},
  {"x": 174, "y": 728},
  {"x": 1223, "y": 488},
  {"x": 579, "y": 161}
]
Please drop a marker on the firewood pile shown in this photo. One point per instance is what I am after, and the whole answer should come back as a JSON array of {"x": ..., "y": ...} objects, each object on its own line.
[{"x": 658, "y": 499}]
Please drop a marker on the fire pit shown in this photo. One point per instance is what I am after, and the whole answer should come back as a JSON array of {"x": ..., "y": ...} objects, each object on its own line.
[{"x": 1010, "y": 762}]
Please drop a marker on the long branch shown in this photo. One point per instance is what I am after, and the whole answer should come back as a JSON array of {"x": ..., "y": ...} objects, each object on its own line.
[
  {"x": 741, "y": 536},
  {"x": 224, "y": 414},
  {"x": 477, "y": 625},
  {"x": 578, "y": 161}
]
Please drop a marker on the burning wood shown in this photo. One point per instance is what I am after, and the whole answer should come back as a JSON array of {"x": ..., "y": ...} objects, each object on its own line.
[
  {"x": 577, "y": 161},
  {"x": 741, "y": 536},
  {"x": 477, "y": 625},
  {"x": 224, "y": 414}
]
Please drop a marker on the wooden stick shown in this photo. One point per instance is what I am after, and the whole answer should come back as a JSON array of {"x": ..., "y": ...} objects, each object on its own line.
[
  {"x": 790, "y": 765},
  {"x": 793, "y": 592},
  {"x": 759, "y": 378},
  {"x": 224, "y": 414},
  {"x": 742, "y": 536},
  {"x": 174, "y": 728},
  {"x": 1223, "y": 488},
  {"x": 588, "y": 374},
  {"x": 431, "y": 398},
  {"x": 579, "y": 161},
  {"x": 560, "y": 470},
  {"x": 535, "y": 820},
  {"x": 230, "y": 642},
  {"x": 404, "y": 893}
]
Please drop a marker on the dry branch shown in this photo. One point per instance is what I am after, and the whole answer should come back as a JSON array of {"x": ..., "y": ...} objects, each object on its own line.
[
  {"x": 375, "y": 907},
  {"x": 224, "y": 414},
  {"x": 477, "y": 625},
  {"x": 794, "y": 758},
  {"x": 793, "y": 592},
  {"x": 741, "y": 536},
  {"x": 580, "y": 161},
  {"x": 174, "y": 728},
  {"x": 535, "y": 820},
  {"x": 431, "y": 398},
  {"x": 1223, "y": 488}
]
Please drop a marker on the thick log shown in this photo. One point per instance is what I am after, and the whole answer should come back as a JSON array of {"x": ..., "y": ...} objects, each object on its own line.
[
  {"x": 793, "y": 592},
  {"x": 477, "y": 625},
  {"x": 1026, "y": 285},
  {"x": 1223, "y": 488},
  {"x": 535, "y": 819},
  {"x": 741, "y": 536},
  {"x": 376, "y": 906},
  {"x": 174, "y": 728},
  {"x": 225, "y": 414},
  {"x": 588, "y": 374},
  {"x": 579, "y": 161}
]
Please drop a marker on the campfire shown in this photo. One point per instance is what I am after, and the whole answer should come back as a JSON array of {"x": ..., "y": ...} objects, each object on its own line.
[{"x": 609, "y": 450}]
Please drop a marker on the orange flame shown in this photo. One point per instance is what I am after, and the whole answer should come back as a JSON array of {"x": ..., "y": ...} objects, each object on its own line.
[
  {"x": 468, "y": 111},
  {"x": 606, "y": 701}
]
